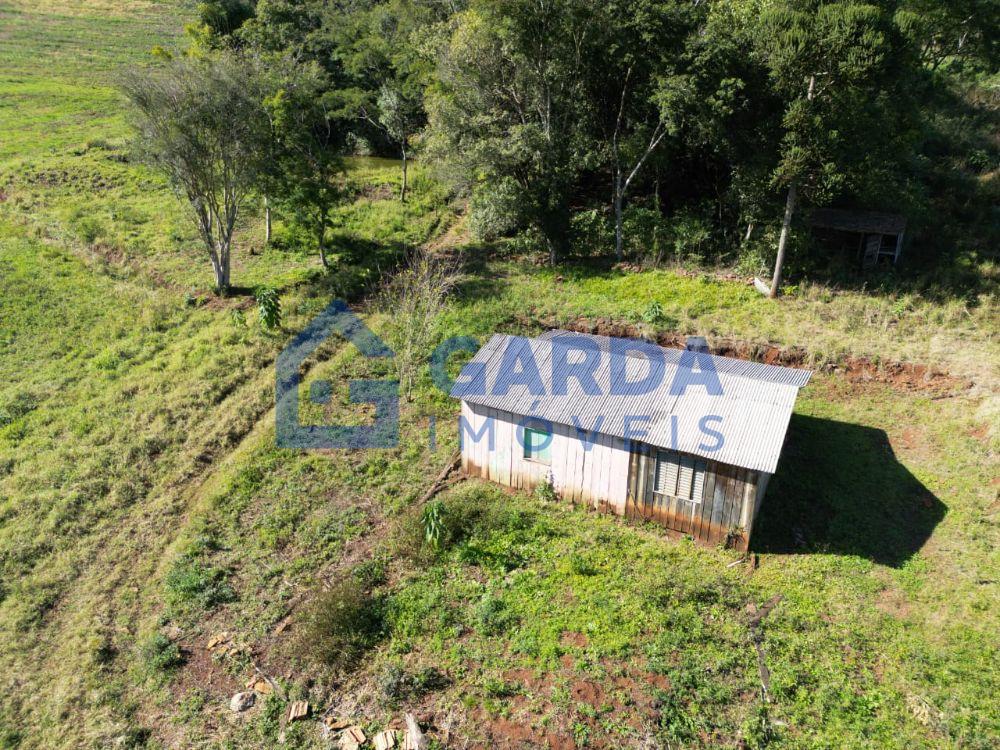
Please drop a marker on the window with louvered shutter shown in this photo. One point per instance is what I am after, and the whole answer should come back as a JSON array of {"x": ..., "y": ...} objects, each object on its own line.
[
  {"x": 678, "y": 475},
  {"x": 666, "y": 473},
  {"x": 699, "y": 480}
]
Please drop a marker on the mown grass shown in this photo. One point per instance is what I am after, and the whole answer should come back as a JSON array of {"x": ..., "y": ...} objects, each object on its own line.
[{"x": 146, "y": 507}]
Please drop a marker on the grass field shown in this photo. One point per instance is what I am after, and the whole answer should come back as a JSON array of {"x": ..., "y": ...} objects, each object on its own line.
[{"x": 145, "y": 508}]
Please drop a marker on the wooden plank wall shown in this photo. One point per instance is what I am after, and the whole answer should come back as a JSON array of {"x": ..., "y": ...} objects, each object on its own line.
[
  {"x": 594, "y": 474},
  {"x": 729, "y": 501}
]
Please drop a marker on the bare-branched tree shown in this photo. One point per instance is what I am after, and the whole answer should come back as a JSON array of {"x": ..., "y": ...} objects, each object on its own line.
[{"x": 200, "y": 123}]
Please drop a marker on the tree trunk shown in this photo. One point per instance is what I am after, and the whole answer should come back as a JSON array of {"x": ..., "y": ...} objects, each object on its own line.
[
  {"x": 746, "y": 237},
  {"x": 786, "y": 226},
  {"x": 267, "y": 221},
  {"x": 321, "y": 237},
  {"x": 618, "y": 215},
  {"x": 402, "y": 191},
  {"x": 220, "y": 267}
]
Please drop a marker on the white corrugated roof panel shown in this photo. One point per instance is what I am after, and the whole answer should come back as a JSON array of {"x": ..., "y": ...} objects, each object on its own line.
[{"x": 751, "y": 413}]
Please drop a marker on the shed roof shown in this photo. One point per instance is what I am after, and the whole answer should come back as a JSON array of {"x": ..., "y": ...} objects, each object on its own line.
[
  {"x": 858, "y": 221},
  {"x": 751, "y": 413}
]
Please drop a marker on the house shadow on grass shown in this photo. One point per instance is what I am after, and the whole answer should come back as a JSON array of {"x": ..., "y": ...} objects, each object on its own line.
[{"x": 840, "y": 489}]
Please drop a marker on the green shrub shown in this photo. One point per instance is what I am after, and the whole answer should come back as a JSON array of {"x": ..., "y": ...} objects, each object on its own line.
[
  {"x": 268, "y": 308},
  {"x": 545, "y": 492},
  {"x": 591, "y": 232},
  {"x": 691, "y": 234},
  {"x": 581, "y": 565},
  {"x": 89, "y": 229},
  {"x": 494, "y": 616},
  {"x": 433, "y": 522},
  {"x": 191, "y": 582},
  {"x": 340, "y": 624},
  {"x": 645, "y": 233},
  {"x": 495, "y": 210},
  {"x": 161, "y": 654}
]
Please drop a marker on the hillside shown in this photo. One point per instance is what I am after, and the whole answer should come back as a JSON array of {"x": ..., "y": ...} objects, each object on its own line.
[{"x": 158, "y": 549}]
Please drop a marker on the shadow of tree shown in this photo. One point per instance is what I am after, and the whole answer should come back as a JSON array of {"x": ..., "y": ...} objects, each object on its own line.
[{"x": 840, "y": 489}]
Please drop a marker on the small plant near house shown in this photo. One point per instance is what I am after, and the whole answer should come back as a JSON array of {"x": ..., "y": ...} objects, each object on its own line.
[
  {"x": 653, "y": 313},
  {"x": 433, "y": 522},
  {"x": 268, "y": 308},
  {"x": 546, "y": 492}
]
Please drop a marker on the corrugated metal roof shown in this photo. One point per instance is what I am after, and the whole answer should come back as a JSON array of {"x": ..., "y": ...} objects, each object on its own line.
[
  {"x": 857, "y": 221},
  {"x": 751, "y": 413}
]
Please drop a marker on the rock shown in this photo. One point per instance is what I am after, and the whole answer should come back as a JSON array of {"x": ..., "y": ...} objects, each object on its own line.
[
  {"x": 385, "y": 740},
  {"x": 298, "y": 710},
  {"x": 242, "y": 701},
  {"x": 259, "y": 685}
]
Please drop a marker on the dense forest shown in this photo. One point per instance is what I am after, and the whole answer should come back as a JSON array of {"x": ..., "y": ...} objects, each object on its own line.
[{"x": 656, "y": 130}]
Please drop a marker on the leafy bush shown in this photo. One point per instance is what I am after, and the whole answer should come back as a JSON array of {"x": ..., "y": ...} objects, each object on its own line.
[
  {"x": 581, "y": 565},
  {"x": 545, "y": 492},
  {"x": 161, "y": 654},
  {"x": 495, "y": 210},
  {"x": 690, "y": 233},
  {"x": 591, "y": 232},
  {"x": 339, "y": 624},
  {"x": 268, "y": 308},
  {"x": 433, "y": 521},
  {"x": 653, "y": 313},
  {"x": 646, "y": 233},
  {"x": 89, "y": 229}
]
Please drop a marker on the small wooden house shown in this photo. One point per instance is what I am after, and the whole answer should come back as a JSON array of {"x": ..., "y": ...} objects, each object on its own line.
[
  {"x": 874, "y": 238},
  {"x": 686, "y": 439}
]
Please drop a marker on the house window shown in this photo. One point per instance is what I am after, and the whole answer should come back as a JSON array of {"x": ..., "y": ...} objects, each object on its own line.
[
  {"x": 679, "y": 475},
  {"x": 538, "y": 445}
]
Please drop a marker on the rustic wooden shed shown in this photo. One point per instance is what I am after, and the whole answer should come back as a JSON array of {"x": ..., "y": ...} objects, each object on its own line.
[
  {"x": 586, "y": 414},
  {"x": 876, "y": 238}
]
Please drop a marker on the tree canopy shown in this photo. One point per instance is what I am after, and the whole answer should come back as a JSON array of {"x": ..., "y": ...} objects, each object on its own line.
[{"x": 613, "y": 126}]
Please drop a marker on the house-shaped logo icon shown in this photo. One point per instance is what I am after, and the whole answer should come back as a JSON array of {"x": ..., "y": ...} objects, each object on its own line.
[{"x": 384, "y": 394}]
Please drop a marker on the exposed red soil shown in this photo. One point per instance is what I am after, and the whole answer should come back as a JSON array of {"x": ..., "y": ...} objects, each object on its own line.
[
  {"x": 906, "y": 376},
  {"x": 625, "y": 697},
  {"x": 569, "y": 638}
]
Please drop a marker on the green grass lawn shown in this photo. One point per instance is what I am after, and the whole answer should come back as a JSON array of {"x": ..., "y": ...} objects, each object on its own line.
[{"x": 144, "y": 505}]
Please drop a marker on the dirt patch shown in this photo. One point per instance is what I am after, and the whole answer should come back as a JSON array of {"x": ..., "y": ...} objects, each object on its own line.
[
  {"x": 626, "y": 695},
  {"x": 378, "y": 192},
  {"x": 906, "y": 376},
  {"x": 575, "y": 640},
  {"x": 980, "y": 433},
  {"x": 910, "y": 439},
  {"x": 893, "y": 602}
]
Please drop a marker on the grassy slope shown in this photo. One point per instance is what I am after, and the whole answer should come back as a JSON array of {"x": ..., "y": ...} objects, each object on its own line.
[{"x": 141, "y": 491}]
